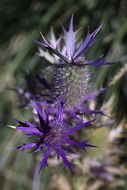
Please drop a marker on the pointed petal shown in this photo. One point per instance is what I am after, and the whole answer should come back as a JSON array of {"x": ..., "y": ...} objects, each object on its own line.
[
  {"x": 25, "y": 146},
  {"x": 52, "y": 49},
  {"x": 41, "y": 114},
  {"x": 88, "y": 42},
  {"x": 46, "y": 43},
  {"x": 44, "y": 161},
  {"x": 79, "y": 126},
  {"x": 98, "y": 62},
  {"x": 37, "y": 147},
  {"x": 53, "y": 41},
  {"x": 70, "y": 39},
  {"x": 64, "y": 31},
  {"x": 90, "y": 112},
  {"x": 94, "y": 94},
  {"x": 71, "y": 24},
  {"x": 20, "y": 122},
  {"x": 44, "y": 122},
  {"x": 73, "y": 115},
  {"x": 29, "y": 131},
  {"x": 82, "y": 144},
  {"x": 97, "y": 30},
  {"x": 66, "y": 162},
  {"x": 42, "y": 44},
  {"x": 30, "y": 124}
]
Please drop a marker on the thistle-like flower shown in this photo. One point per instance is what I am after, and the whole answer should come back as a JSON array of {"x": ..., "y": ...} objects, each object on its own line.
[
  {"x": 71, "y": 73},
  {"x": 56, "y": 121},
  {"x": 52, "y": 134}
]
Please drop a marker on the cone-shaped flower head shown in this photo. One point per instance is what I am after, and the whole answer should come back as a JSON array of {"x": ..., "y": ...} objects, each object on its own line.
[
  {"x": 51, "y": 134},
  {"x": 71, "y": 74}
]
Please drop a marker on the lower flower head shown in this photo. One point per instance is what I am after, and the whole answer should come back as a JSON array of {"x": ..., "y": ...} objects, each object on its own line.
[{"x": 51, "y": 134}]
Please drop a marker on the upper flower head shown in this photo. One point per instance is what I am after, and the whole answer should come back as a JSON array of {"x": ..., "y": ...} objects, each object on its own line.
[
  {"x": 51, "y": 134},
  {"x": 72, "y": 51}
]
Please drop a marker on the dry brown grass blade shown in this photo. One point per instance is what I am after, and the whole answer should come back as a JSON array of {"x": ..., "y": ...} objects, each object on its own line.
[{"x": 117, "y": 77}]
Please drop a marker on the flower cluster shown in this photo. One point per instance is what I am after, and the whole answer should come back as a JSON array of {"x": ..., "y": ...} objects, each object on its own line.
[{"x": 60, "y": 116}]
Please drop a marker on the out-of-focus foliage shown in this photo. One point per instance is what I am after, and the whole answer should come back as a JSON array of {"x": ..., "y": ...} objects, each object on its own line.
[{"x": 21, "y": 21}]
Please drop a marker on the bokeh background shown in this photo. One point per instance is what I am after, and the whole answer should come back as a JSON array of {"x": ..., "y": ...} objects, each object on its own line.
[{"x": 20, "y": 22}]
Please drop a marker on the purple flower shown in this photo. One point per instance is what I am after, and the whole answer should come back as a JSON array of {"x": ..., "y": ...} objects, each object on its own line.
[
  {"x": 71, "y": 73},
  {"x": 51, "y": 133}
]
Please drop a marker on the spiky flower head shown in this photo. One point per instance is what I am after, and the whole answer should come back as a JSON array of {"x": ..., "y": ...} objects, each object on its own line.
[
  {"x": 71, "y": 73},
  {"x": 52, "y": 134}
]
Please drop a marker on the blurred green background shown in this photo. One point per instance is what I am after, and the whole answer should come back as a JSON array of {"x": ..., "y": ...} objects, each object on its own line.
[{"x": 20, "y": 23}]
